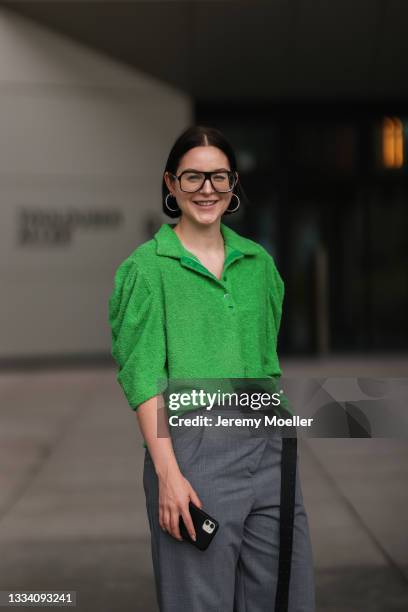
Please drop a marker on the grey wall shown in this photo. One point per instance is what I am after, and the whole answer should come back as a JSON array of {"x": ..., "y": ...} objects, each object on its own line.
[{"x": 82, "y": 137}]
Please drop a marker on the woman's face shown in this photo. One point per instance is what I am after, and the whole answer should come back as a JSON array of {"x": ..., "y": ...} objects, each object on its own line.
[{"x": 205, "y": 206}]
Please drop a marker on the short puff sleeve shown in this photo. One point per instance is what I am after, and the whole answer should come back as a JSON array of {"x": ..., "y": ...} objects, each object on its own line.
[
  {"x": 138, "y": 335},
  {"x": 275, "y": 296}
]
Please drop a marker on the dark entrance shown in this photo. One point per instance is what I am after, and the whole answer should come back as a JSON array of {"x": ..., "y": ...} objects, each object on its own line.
[{"x": 332, "y": 215}]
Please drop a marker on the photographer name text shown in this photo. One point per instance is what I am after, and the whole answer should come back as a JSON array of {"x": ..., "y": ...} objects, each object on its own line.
[{"x": 271, "y": 421}]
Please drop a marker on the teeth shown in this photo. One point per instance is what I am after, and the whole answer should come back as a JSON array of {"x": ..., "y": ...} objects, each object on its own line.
[{"x": 205, "y": 203}]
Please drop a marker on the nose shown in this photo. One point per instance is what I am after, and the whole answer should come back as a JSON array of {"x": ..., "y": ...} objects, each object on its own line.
[{"x": 207, "y": 186}]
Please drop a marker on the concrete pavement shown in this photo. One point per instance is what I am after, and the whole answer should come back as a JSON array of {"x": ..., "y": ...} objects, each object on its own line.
[{"x": 72, "y": 508}]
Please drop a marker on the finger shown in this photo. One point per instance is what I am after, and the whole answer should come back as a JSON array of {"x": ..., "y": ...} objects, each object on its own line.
[
  {"x": 166, "y": 519},
  {"x": 195, "y": 499},
  {"x": 189, "y": 523},
  {"x": 161, "y": 518},
  {"x": 174, "y": 524}
]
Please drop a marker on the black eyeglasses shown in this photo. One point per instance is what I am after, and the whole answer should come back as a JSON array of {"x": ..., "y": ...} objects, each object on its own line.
[{"x": 193, "y": 180}]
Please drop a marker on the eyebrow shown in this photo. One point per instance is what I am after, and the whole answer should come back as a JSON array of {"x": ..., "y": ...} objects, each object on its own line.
[{"x": 216, "y": 170}]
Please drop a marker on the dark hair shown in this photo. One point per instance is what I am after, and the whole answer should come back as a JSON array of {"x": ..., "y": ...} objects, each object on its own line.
[{"x": 198, "y": 136}]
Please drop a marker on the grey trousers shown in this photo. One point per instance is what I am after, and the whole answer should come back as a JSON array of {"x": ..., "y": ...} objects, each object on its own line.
[{"x": 237, "y": 478}]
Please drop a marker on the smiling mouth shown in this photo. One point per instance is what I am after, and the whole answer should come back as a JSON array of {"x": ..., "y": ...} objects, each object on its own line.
[{"x": 205, "y": 203}]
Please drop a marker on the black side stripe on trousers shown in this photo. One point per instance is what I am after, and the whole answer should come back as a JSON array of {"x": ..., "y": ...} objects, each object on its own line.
[{"x": 287, "y": 512}]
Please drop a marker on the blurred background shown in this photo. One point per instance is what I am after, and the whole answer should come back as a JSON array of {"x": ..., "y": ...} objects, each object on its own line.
[{"x": 313, "y": 96}]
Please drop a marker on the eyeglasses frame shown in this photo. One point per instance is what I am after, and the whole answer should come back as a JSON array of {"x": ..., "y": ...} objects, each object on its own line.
[{"x": 207, "y": 176}]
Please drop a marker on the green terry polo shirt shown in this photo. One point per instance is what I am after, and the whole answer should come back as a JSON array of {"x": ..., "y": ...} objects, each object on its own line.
[{"x": 170, "y": 317}]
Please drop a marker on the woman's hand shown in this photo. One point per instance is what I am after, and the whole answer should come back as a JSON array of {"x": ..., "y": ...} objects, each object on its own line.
[{"x": 175, "y": 493}]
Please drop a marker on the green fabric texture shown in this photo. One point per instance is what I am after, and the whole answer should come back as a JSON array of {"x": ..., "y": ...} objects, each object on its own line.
[{"x": 171, "y": 318}]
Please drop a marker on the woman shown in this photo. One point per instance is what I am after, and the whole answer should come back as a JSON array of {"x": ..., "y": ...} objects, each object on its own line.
[{"x": 200, "y": 301}]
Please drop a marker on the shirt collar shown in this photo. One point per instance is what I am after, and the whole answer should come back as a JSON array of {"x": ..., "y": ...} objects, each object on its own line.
[{"x": 168, "y": 243}]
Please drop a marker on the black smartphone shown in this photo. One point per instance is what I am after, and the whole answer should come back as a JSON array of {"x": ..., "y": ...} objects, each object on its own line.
[{"x": 205, "y": 527}]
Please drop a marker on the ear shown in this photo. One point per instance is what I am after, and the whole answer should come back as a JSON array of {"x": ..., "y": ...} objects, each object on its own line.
[{"x": 169, "y": 182}]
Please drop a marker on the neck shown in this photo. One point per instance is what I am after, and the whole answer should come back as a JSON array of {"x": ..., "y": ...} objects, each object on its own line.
[{"x": 202, "y": 238}]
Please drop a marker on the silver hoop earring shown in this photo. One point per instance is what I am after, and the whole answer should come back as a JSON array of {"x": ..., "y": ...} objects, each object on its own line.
[
  {"x": 167, "y": 203},
  {"x": 238, "y": 205}
]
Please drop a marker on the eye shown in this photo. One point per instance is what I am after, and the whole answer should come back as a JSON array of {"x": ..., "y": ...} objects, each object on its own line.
[
  {"x": 220, "y": 177},
  {"x": 193, "y": 176}
]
